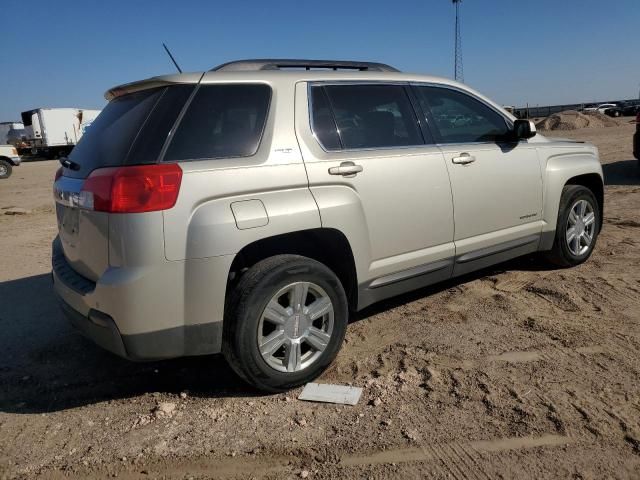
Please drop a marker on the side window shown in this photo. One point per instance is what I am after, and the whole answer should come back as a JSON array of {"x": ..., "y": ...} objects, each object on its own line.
[
  {"x": 460, "y": 118},
  {"x": 374, "y": 116},
  {"x": 222, "y": 121},
  {"x": 323, "y": 125}
]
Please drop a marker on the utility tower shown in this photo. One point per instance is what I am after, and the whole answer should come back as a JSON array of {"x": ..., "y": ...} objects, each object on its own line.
[{"x": 458, "y": 72}]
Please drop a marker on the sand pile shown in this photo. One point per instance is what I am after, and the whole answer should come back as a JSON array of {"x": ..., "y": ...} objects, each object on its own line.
[{"x": 572, "y": 120}]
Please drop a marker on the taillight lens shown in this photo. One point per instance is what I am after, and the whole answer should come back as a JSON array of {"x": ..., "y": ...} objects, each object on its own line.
[
  {"x": 134, "y": 189},
  {"x": 58, "y": 174}
]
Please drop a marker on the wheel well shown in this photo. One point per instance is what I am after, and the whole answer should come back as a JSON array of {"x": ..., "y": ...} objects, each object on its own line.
[
  {"x": 593, "y": 182},
  {"x": 326, "y": 245}
]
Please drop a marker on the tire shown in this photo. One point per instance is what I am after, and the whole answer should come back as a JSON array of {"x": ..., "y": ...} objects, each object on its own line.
[
  {"x": 5, "y": 169},
  {"x": 279, "y": 279},
  {"x": 565, "y": 253}
]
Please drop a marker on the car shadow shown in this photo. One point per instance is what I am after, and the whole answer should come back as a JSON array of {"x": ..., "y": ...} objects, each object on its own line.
[
  {"x": 622, "y": 173},
  {"x": 46, "y": 366}
]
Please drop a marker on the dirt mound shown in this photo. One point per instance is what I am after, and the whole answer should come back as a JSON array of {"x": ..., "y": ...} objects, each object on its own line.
[{"x": 572, "y": 120}]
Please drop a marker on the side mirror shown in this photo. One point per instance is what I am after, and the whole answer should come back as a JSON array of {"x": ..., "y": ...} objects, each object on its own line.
[{"x": 523, "y": 129}]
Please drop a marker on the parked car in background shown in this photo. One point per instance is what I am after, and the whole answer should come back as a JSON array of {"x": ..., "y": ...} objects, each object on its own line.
[
  {"x": 248, "y": 209},
  {"x": 53, "y": 132},
  {"x": 611, "y": 109},
  {"x": 9, "y": 158},
  {"x": 631, "y": 108}
]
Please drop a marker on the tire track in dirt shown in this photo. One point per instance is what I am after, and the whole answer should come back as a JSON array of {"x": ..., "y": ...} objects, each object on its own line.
[{"x": 447, "y": 454}]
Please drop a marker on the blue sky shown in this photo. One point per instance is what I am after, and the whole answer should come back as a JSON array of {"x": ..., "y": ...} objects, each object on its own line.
[{"x": 67, "y": 53}]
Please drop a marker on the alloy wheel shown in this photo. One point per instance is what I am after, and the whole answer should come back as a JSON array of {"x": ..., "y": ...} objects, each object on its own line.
[
  {"x": 580, "y": 227},
  {"x": 295, "y": 327}
]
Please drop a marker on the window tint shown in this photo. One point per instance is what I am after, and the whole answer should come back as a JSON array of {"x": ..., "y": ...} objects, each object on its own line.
[
  {"x": 155, "y": 130},
  {"x": 107, "y": 142},
  {"x": 324, "y": 127},
  {"x": 370, "y": 116},
  {"x": 221, "y": 121},
  {"x": 460, "y": 118}
]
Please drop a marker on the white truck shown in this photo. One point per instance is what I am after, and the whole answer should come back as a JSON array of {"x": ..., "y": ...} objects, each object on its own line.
[
  {"x": 53, "y": 132},
  {"x": 9, "y": 158}
]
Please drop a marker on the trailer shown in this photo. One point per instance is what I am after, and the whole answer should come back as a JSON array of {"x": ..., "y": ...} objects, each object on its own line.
[{"x": 53, "y": 132}]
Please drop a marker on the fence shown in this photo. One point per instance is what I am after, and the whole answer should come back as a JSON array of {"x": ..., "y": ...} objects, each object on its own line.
[{"x": 538, "y": 112}]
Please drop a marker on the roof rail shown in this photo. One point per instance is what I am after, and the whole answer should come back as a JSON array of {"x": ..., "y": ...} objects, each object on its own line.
[{"x": 283, "y": 63}]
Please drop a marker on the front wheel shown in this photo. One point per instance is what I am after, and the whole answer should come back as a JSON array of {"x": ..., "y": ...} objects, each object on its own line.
[
  {"x": 577, "y": 228},
  {"x": 285, "y": 322},
  {"x": 5, "y": 169}
]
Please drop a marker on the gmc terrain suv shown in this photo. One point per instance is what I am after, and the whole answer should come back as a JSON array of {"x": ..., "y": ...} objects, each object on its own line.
[{"x": 248, "y": 209}]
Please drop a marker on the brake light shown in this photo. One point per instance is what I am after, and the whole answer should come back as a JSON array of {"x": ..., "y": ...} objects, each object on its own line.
[
  {"x": 134, "y": 189},
  {"x": 58, "y": 174}
]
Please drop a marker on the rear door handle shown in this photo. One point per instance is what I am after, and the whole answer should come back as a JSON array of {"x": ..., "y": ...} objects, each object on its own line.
[
  {"x": 464, "y": 159},
  {"x": 346, "y": 169}
]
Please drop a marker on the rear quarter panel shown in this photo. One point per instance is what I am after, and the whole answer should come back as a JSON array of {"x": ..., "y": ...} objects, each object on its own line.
[{"x": 202, "y": 223}]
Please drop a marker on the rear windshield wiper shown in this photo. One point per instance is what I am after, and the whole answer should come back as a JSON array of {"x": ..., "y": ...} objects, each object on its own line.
[{"x": 70, "y": 164}]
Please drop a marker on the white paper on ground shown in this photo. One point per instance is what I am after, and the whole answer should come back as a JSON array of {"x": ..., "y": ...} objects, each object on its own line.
[{"x": 323, "y": 392}]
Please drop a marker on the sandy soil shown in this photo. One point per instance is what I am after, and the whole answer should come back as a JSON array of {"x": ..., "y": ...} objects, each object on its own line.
[{"x": 520, "y": 371}]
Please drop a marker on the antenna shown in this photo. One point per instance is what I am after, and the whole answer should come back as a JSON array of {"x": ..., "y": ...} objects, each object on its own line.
[
  {"x": 171, "y": 57},
  {"x": 458, "y": 73}
]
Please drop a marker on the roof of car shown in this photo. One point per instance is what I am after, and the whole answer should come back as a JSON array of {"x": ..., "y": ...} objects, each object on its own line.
[
  {"x": 294, "y": 76},
  {"x": 292, "y": 71}
]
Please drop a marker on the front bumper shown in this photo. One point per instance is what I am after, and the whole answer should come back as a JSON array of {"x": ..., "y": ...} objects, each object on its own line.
[
  {"x": 138, "y": 314},
  {"x": 15, "y": 160}
]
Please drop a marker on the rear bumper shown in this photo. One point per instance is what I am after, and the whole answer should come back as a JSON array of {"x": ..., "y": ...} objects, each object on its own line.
[
  {"x": 146, "y": 313},
  {"x": 15, "y": 160},
  {"x": 170, "y": 343}
]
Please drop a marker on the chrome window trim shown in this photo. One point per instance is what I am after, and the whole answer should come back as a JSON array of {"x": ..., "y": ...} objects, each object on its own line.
[{"x": 321, "y": 83}]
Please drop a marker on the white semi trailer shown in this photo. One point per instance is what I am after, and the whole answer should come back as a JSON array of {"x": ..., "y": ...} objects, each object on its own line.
[{"x": 53, "y": 132}]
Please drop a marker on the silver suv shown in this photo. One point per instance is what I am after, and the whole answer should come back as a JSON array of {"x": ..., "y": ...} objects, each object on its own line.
[{"x": 248, "y": 209}]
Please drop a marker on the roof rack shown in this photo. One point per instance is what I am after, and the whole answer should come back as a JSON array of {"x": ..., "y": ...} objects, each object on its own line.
[{"x": 280, "y": 64}]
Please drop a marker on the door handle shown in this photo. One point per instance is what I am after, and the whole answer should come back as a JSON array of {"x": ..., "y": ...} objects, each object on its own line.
[
  {"x": 346, "y": 169},
  {"x": 464, "y": 159}
]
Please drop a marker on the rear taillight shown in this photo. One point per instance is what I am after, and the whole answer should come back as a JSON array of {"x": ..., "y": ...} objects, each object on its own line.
[
  {"x": 58, "y": 174},
  {"x": 134, "y": 189}
]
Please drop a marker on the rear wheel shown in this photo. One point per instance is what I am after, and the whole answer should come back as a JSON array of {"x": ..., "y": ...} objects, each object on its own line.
[
  {"x": 285, "y": 322},
  {"x": 577, "y": 228},
  {"x": 5, "y": 169}
]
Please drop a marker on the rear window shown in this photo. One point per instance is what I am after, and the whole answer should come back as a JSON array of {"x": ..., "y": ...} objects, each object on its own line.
[
  {"x": 222, "y": 121},
  {"x": 131, "y": 130}
]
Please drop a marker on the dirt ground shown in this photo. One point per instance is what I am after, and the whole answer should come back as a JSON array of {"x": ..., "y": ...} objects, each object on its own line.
[{"x": 520, "y": 371}]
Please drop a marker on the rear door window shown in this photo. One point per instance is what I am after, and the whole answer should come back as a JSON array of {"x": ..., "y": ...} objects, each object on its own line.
[
  {"x": 222, "y": 121},
  {"x": 460, "y": 118},
  {"x": 374, "y": 116}
]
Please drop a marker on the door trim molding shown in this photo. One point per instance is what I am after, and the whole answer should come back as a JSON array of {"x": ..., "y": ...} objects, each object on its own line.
[{"x": 496, "y": 249}]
